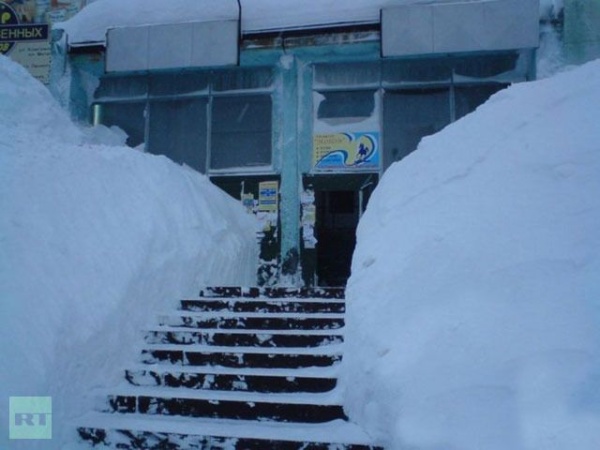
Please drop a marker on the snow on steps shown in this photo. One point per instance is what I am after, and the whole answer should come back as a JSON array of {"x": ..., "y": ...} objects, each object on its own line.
[
  {"x": 174, "y": 432},
  {"x": 236, "y": 368},
  {"x": 252, "y": 321},
  {"x": 229, "y": 381},
  {"x": 306, "y": 306}
]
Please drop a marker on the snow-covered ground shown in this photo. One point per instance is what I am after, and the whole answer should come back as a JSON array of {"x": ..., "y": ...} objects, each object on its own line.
[
  {"x": 94, "y": 240},
  {"x": 474, "y": 301}
]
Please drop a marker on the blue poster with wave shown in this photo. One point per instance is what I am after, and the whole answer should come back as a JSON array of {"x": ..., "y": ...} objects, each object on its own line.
[{"x": 346, "y": 151}]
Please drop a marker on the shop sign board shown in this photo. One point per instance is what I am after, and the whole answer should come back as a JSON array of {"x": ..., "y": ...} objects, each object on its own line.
[
  {"x": 351, "y": 152},
  {"x": 25, "y": 31}
]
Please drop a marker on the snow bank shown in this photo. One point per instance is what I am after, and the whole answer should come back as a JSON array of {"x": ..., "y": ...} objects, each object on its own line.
[
  {"x": 474, "y": 301},
  {"x": 95, "y": 241}
]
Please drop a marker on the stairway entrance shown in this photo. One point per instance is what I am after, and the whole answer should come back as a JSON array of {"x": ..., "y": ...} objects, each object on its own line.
[
  {"x": 339, "y": 202},
  {"x": 234, "y": 369}
]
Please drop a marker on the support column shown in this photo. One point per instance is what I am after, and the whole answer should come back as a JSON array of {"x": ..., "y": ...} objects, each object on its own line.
[{"x": 287, "y": 114}]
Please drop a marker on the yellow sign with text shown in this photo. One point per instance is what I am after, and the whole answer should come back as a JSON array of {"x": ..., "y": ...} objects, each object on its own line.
[{"x": 346, "y": 151}]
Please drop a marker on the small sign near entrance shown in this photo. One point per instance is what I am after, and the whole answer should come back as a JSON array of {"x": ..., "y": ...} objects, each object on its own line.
[
  {"x": 267, "y": 196},
  {"x": 346, "y": 151}
]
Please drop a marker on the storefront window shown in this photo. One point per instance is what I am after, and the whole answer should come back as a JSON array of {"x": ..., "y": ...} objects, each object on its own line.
[
  {"x": 347, "y": 75},
  {"x": 241, "y": 131},
  {"x": 346, "y": 104},
  {"x": 243, "y": 79},
  {"x": 486, "y": 66},
  {"x": 178, "y": 84},
  {"x": 129, "y": 116},
  {"x": 468, "y": 98},
  {"x": 178, "y": 129},
  {"x": 123, "y": 87},
  {"x": 410, "y": 115},
  {"x": 413, "y": 71},
  {"x": 172, "y": 111}
]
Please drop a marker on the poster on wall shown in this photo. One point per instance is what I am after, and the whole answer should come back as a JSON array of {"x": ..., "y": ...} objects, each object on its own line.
[
  {"x": 309, "y": 218},
  {"x": 267, "y": 196},
  {"x": 346, "y": 151},
  {"x": 268, "y": 208},
  {"x": 248, "y": 202},
  {"x": 25, "y": 31}
]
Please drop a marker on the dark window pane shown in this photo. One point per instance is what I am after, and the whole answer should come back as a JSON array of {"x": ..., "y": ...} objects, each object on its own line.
[
  {"x": 468, "y": 98},
  {"x": 240, "y": 150},
  {"x": 179, "y": 83},
  {"x": 485, "y": 66},
  {"x": 347, "y": 75},
  {"x": 411, "y": 115},
  {"x": 127, "y": 116},
  {"x": 346, "y": 104},
  {"x": 178, "y": 129},
  {"x": 241, "y": 131},
  {"x": 421, "y": 70},
  {"x": 238, "y": 79},
  {"x": 122, "y": 87}
]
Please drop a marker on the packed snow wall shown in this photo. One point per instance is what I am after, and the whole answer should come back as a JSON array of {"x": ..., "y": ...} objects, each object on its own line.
[
  {"x": 96, "y": 239},
  {"x": 473, "y": 306}
]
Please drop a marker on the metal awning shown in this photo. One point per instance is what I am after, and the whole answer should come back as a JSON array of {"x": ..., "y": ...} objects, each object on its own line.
[{"x": 466, "y": 26}]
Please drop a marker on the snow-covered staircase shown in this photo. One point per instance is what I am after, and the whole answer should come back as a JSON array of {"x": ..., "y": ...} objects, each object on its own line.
[{"x": 237, "y": 368}]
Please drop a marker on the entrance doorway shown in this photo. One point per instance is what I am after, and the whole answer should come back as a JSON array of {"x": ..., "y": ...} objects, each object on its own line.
[
  {"x": 335, "y": 231},
  {"x": 339, "y": 202}
]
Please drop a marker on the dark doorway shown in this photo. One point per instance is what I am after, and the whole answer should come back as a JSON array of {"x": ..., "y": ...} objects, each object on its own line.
[
  {"x": 339, "y": 202},
  {"x": 335, "y": 230}
]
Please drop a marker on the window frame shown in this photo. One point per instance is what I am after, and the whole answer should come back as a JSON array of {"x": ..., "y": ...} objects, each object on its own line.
[
  {"x": 214, "y": 90},
  {"x": 251, "y": 169},
  {"x": 445, "y": 73},
  {"x": 153, "y": 101}
]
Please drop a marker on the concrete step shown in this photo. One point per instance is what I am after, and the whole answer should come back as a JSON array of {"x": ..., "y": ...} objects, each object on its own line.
[
  {"x": 243, "y": 338},
  {"x": 239, "y": 368},
  {"x": 252, "y": 321},
  {"x": 306, "y": 306},
  {"x": 232, "y": 381},
  {"x": 314, "y": 372},
  {"x": 306, "y": 408},
  {"x": 272, "y": 292},
  {"x": 135, "y": 431},
  {"x": 253, "y": 357}
]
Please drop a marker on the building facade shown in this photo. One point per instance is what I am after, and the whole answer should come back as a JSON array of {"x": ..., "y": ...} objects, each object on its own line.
[{"x": 300, "y": 123}]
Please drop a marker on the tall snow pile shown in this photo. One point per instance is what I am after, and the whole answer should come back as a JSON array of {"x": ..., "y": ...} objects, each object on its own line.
[
  {"x": 95, "y": 241},
  {"x": 474, "y": 301}
]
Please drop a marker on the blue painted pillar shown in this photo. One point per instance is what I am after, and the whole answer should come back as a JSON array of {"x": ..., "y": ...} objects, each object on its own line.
[{"x": 286, "y": 113}]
